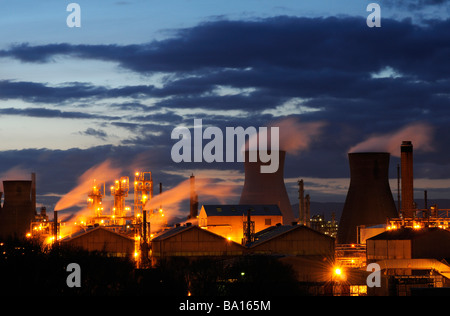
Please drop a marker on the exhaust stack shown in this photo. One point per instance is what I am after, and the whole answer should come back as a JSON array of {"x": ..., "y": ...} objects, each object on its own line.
[
  {"x": 407, "y": 204},
  {"x": 193, "y": 201}
]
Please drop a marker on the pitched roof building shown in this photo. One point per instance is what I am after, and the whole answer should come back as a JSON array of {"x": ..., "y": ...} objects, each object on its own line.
[
  {"x": 102, "y": 239},
  {"x": 193, "y": 241},
  {"x": 228, "y": 220}
]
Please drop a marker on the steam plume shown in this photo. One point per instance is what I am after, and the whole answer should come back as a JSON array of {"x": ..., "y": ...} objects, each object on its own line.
[
  {"x": 421, "y": 134},
  {"x": 103, "y": 172},
  {"x": 294, "y": 136}
]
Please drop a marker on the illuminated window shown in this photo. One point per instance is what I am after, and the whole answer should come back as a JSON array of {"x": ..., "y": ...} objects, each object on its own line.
[
  {"x": 357, "y": 290},
  {"x": 268, "y": 221}
]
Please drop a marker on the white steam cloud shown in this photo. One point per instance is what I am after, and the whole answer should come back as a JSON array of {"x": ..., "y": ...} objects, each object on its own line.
[{"x": 421, "y": 135}]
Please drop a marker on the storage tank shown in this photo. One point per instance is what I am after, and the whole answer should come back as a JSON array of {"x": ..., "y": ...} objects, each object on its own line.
[
  {"x": 17, "y": 212},
  {"x": 266, "y": 188},
  {"x": 369, "y": 199}
]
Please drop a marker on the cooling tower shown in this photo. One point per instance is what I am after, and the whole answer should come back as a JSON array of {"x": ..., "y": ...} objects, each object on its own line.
[
  {"x": 17, "y": 212},
  {"x": 369, "y": 199},
  {"x": 266, "y": 188}
]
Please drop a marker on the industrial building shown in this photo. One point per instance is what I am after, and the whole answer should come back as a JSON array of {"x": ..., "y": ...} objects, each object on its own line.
[
  {"x": 194, "y": 242},
  {"x": 102, "y": 240},
  {"x": 410, "y": 258},
  {"x": 292, "y": 240},
  {"x": 228, "y": 220},
  {"x": 310, "y": 253}
]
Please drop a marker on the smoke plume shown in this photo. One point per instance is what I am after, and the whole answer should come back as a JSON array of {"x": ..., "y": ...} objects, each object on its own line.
[
  {"x": 294, "y": 136},
  {"x": 421, "y": 135},
  {"x": 101, "y": 173},
  {"x": 206, "y": 188}
]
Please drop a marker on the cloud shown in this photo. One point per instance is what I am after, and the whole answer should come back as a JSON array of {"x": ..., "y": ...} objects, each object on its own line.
[
  {"x": 98, "y": 133},
  {"x": 358, "y": 82},
  {"x": 52, "y": 113},
  {"x": 413, "y": 4},
  {"x": 270, "y": 62},
  {"x": 284, "y": 42}
]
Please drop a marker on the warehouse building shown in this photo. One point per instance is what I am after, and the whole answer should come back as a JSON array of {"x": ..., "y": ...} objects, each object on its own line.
[
  {"x": 228, "y": 220},
  {"x": 192, "y": 241},
  {"x": 103, "y": 240},
  {"x": 410, "y": 258}
]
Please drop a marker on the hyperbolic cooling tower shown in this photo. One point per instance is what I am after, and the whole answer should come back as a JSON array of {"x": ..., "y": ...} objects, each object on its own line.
[
  {"x": 18, "y": 210},
  {"x": 266, "y": 188},
  {"x": 369, "y": 199}
]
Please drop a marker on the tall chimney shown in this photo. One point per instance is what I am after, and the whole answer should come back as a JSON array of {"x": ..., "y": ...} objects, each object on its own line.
[
  {"x": 407, "y": 179},
  {"x": 369, "y": 199},
  {"x": 193, "y": 201},
  {"x": 266, "y": 188},
  {"x": 308, "y": 210},
  {"x": 55, "y": 225},
  {"x": 301, "y": 202}
]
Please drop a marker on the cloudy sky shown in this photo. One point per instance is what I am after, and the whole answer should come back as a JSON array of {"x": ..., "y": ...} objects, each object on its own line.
[{"x": 114, "y": 89}]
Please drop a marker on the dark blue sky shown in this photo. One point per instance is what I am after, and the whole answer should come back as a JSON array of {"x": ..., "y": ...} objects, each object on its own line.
[{"x": 115, "y": 88}]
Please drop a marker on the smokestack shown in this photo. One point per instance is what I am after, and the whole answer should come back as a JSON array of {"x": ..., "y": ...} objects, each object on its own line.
[
  {"x": 307, "y": 210},
  {"x": 193, "y": 202},
  {"x": 369, "y": 199},
  {"x": 55, "y": 225},
  {"x": 266, "y": 188},
  {"x": 407, "y": 179},
  {"x": 301, "y": 202}
]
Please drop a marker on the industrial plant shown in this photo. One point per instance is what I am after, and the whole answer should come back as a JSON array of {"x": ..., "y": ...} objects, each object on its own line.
[{"x": 409, "y": 245}]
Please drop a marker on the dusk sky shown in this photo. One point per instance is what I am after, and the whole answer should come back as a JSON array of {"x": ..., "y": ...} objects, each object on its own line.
[{"x": 115, "y": 88}]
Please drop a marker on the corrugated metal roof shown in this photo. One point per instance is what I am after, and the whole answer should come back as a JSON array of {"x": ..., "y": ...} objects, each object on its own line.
[
  {"x": 272, "y": 232},
  {"x": 408, "y": 233},
  {"x": 171, "y": 232},
  {"x": 241, "y": 210},
  {"x": 276, "y": 231},
  {"x": 89, "y": 230}
]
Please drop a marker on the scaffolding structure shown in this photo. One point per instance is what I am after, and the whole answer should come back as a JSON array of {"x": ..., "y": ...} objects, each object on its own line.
[{"x": 143, "y": 191}]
